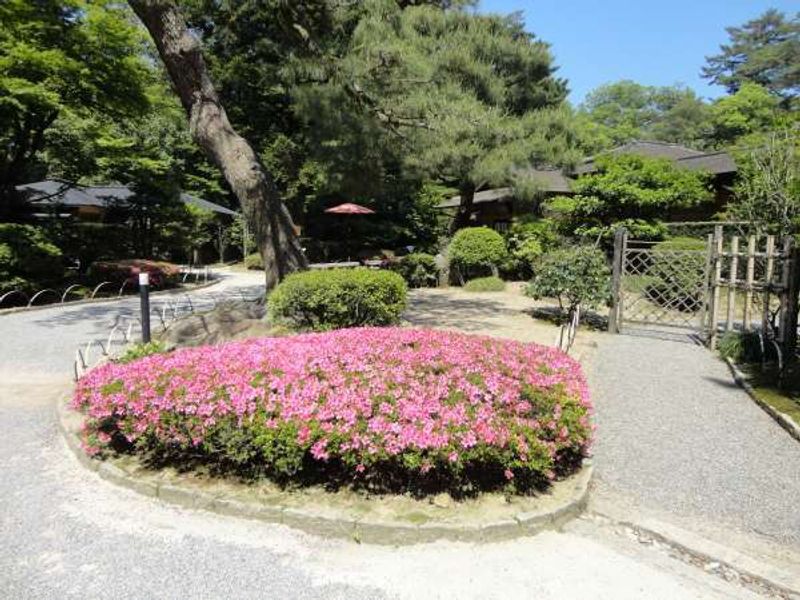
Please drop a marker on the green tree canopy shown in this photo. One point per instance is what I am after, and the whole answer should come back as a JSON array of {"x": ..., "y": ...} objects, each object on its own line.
[
  {"x": 765, "y": 51},
  {"x": 619, "y": 112},
  {"x": 71, "y": 60}
]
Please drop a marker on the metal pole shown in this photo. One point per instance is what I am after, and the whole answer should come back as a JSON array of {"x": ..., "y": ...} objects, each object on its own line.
[{"x": 144, "y": 295}]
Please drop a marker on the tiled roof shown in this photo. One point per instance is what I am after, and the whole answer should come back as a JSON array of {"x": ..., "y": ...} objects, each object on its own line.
[
  {"x": 714, "y": 162},
  {"x": 549, "y": 180},
  {"x": 53, "y": 191}
]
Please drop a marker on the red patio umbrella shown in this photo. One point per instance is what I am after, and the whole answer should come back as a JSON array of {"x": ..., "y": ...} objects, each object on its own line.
[{"x": 349, "y": 208}]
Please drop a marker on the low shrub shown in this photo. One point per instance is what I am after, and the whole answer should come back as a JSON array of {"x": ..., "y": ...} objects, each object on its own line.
[
  {"x": 141, "y": 350},
  {"x": 576, "y": 276},
  {"x": 28, "y": 259},
  {"x": 526, "y": 242},
  {"x": 161, "y": 273},
  {"x": 476, "y": 250},
  {"x": 418, "y": 269},
  {"x": 485, "y": 284},
  {"x": 677, "y": 273},
  {"x": 744, "y": 347},
  {"x": 254, "y": 262},
  {"x": 335, "y": 298},
  {"x": 387, "y": 409}
]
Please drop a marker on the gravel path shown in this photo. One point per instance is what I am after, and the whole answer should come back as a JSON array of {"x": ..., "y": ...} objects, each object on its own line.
[
  {"x": 66, "y": 533},
  {"x": 676, "y": 433}
]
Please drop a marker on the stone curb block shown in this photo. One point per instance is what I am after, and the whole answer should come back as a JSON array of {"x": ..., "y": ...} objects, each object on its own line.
[
  {"x": 783, "y": 420},
  {"x": 170, "y": 292},
  {"x": 352, "y": 528}
]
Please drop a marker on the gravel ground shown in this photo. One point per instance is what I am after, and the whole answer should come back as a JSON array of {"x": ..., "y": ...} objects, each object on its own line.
[
  {"x": 68, "y": 534},
  {"x": 677, "y": 434}
]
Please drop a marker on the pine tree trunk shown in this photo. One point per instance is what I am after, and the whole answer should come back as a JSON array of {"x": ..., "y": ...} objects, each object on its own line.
[
  {"x": 462, "y": 218},
  {"x": 209, "y": 125}
]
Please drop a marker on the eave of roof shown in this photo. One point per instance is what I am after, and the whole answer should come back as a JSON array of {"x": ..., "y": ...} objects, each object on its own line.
[{"x": 56, "y": 192}]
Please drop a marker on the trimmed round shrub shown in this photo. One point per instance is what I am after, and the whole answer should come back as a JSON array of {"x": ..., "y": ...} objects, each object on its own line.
[
  {"x": 336, "y": 298},
  {"x": 28, "y": 260},
  {"x": 677, "y": 274},
  {"x": 254, "y": 262},
  {"x": 476, "y": 249},
  {"x": 391, "y": 409},
  {"x": 418, "y": 269},
  {"x": 485, "y": 284},
  {"x": 576, "y": 276},
  {"x": 161, "y": 273}
]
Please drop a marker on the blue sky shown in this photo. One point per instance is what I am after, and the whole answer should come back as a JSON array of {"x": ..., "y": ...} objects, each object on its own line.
[{"x": 651, "y": 42}]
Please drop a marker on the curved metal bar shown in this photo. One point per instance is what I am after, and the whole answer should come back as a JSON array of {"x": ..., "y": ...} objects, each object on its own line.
[
  {"x": 122, "y": 288},
  {"x": 11, "y": 293},
  {"x": 191, "y": 305},
  {"x": 69, "y": 289},
  {"x": 39, "y": 293},
  {"x": 98, "y": 288},
  {"x": 186, "y": 276}
]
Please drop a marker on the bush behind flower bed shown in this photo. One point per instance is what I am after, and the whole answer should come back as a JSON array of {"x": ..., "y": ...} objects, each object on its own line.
[
  {"x": 388, "y": 409},
  {"x": 330, "y": 299}
]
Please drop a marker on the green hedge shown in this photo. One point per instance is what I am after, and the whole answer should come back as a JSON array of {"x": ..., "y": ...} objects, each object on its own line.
[
  {"x": 418, "y": 269},
  {"x": 477, "y": 248},
  {"x": 28, "y": 259},
  {"x": 485, "y": 284},
  {"x": 336, "y": 298}
]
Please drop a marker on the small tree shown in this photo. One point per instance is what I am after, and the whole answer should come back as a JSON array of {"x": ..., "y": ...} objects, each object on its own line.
[
  {"x": 476, "y": 249},
  {"x": 768, "y": 192},
  {"x": 631, "y": 191},
  {"x": 576, "y": 276}
]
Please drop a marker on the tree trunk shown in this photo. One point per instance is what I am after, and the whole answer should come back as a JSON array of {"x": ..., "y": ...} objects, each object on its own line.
[
  {"x": 462, "y": 218},
  {"x": 208, "y": 123}
]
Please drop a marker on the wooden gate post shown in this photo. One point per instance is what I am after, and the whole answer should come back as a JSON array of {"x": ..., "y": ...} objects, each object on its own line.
[
  {"x": 615, "y": 313},
  {"x": 787, "y": 332},
  {"x": 715, "y": 288}
]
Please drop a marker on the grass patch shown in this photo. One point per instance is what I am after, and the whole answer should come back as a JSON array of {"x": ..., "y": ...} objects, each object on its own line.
[
  {"x": 485, "y": 284},
  {"x": 765, "y": 387}
]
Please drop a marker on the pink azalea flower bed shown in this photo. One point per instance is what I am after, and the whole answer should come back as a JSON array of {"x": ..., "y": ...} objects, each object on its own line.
[{"x": 390, "y": 408}]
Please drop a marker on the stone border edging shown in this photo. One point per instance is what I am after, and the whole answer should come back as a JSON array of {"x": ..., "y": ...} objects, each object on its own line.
[
  {"x": 772, "y": 579},
  {"x": 783, "y": 420},
  {"x": 384, "y": 533},
  {"x": 172, "y": 291}
]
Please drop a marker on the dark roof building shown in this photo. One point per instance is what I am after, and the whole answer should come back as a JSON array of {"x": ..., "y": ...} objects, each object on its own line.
[
  {"x": 53, "y": 192},
  {"x": 716, "y": 163},
  {"x": 496, "y": 207}
]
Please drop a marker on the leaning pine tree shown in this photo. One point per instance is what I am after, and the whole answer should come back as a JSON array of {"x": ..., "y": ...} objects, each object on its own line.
[{"x": 209, "y": 125}]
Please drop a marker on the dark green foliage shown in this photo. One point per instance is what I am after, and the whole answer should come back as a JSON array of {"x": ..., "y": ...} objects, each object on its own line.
[
  {"x": 765, "y": 50},
  {"x": 631, "y": 191},
  {"x": 331, "y": 299},
  {"x": 75, "y": 64},
  {"x": 676, "y": 274},
  {"x": 476, "y": 249},
  {"x": 577, "y": 275},
  {"x": 418, "y": 269},
  {"x": 485, "y": 284},
  {"x": 28, "y": 260},
  {"x": 742, "y": 347}
]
